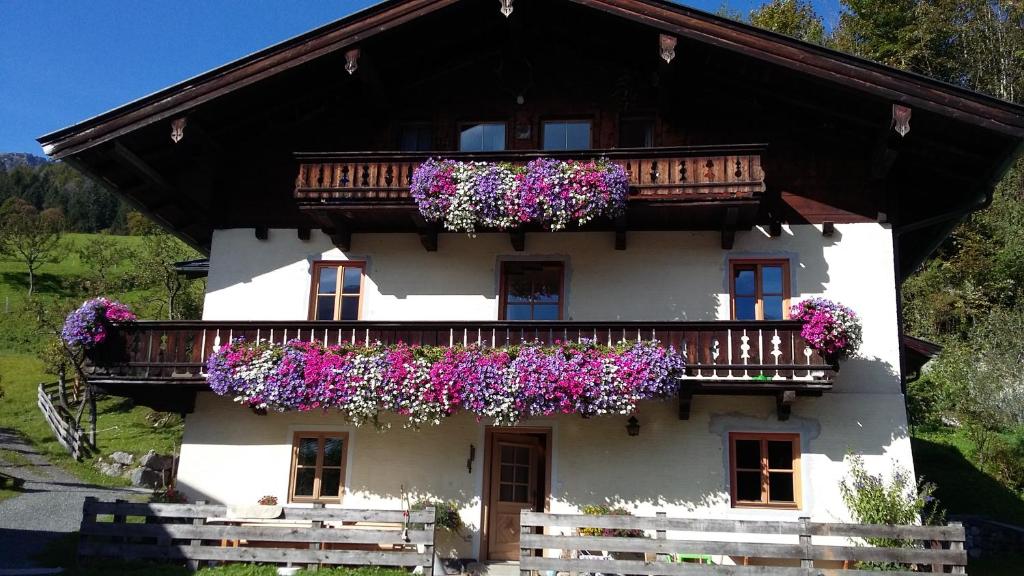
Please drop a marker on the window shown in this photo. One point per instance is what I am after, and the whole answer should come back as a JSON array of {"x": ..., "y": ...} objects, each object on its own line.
[
  {"x": 415, "y": 138},
  {"x": 567, "y": 135},
  {"x": 636, "y": 132},
  {"x": 760, "y": 289},
  {"x": 531, "y": 290},
  {"x": 765, "y": 470},
  {"x": 482, "y": 137},
  {"x": 318, "y": 466},
  {"x": 336, "y": 292}
]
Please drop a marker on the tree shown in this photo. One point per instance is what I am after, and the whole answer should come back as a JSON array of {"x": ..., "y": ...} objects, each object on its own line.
[
  {"x": 101, "y": 256},
  {"x": 155, "y": 268},
  {"x": 795, "y": 18},
  {"x": 29, "y": 236}
]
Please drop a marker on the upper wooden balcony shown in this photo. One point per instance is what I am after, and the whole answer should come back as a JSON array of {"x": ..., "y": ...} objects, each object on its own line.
[
  {"x": 147, "y": 358},
  {"x": 678, "y": 188}
]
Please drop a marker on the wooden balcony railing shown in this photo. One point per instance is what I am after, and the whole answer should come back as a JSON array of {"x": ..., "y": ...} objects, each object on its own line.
[
  {"x": 696, "y": 173},
  {"x": 720, "y": 356}
]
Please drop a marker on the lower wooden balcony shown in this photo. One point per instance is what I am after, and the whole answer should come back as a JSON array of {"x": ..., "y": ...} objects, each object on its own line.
[{"x": 147, "y": 359}]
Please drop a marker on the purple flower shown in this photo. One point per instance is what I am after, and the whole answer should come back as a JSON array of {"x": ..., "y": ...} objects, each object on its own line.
[{"x": 89, "y": 325}]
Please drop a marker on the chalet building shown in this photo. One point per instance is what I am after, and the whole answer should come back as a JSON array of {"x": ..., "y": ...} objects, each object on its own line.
[{"x": 762, "y": 171}]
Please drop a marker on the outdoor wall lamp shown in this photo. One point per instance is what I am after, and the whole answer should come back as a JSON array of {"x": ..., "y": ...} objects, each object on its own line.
[
  {"x": 633, "y": 426},
  {"x": 352, "y": 61}
]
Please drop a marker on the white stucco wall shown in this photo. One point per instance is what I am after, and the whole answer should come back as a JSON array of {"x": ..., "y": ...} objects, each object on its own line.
[{"x": 681, "y": 467}]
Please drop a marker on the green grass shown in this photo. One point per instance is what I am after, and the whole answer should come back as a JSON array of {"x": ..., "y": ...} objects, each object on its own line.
[{"x": 941, "y": 456}]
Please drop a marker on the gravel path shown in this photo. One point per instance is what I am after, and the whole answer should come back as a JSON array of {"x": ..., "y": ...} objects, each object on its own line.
[{"x": 50, "y": 504}]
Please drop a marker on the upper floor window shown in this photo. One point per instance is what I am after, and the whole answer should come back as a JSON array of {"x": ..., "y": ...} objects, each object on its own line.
[
  {"x": 337, "y": 290},
  {"x": 416, "y": 137},
  {"x": 765, "y": 470},
  {"x": 636, "y": 132},
  {"x": 566, "y": 135},
  {"x": 482, "y": 137},
  {"x": 760, "y": 289},
  {"x": 531, "y": 290},
  {"x": 318, "y": 467}
]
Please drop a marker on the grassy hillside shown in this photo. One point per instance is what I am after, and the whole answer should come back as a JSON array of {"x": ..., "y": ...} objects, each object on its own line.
[{"x": 121, "y": 425}]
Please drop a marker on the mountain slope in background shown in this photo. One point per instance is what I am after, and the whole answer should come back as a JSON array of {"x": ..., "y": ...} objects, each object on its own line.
[{"x": 9, "y": 160}]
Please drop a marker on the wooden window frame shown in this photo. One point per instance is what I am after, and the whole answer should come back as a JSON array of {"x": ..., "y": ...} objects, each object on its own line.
[
  {"x": 459, "y": 126},
  {"x": 757, "y": 263},
  {"x": 314, "y": 286},
  {"x": 503, "y": 293},
  {"x": 764, "y": 438},
  {"x": 653, "y": 118},
  {"x": 564, "y": 119},
  {"x": 320, "y": 436},
  {"x": 418, "y": 125}
]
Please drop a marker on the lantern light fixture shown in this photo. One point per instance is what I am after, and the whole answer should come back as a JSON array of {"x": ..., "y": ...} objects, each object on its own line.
[
  {"x": 633, "y": 426},
  {"x": 506, "y": 7},
  {"x": 352, "y": 60},
  {"x": 668, "y": 47}
]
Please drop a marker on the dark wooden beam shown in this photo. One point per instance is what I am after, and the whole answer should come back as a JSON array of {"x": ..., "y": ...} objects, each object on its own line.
[
  {"x": 828, "y": 229},
  {"x": 262, "y": 232},
  {"x": 427, "y": 231},
  {"x": 685, "y": 401},
  {"x": 303, "y": 233},
  {"x": 518, "y": 239},
  {"x": 784, "y": 404},
  {"x": 620, "y": 232},
  {"x": 340, "y": 232},
  {"x": 141, "y": 168},
  {"x": 729, "y": 227}
]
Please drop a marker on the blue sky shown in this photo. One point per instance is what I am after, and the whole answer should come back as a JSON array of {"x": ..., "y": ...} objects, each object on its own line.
[{"x": 64, "y": 61}]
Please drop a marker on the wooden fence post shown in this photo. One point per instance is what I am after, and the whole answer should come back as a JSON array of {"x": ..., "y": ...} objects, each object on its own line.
[
  {"x": 807, "y": 560},
  {"x": 428, "y": 570},
  {"x": 660, "y": 534},
  {"x": 524, "y": 553},
  {"x": 316, "y": 545},
  {"x": 959, "y": 546},
  {"x": 88, "y": 519},
  {"x": 198, "y": 521}
]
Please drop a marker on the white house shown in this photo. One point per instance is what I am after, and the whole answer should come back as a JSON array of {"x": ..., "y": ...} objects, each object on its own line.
[{"x": 763, "y": 171}]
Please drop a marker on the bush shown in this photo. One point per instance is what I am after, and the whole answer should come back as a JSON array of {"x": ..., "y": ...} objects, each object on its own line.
[
  {"x": 602, "y": 510},
  {"x": 446, "y": 514},
  {"x": 1005, "y": 458}
]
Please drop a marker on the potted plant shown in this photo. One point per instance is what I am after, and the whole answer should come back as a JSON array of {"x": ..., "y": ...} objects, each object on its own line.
[
  {"x": 831, "y": 329},
  {"x": 604, "y": 510}
]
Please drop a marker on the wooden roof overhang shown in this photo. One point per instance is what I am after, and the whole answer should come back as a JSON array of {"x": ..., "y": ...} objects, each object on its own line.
[
  {"x": 922, "y": 184},
  {"x": 671, "y": 188}
]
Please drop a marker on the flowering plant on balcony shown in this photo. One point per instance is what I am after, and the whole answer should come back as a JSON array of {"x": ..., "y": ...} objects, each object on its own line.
[
  {"x": 428, "y": 383},
  {"x": 830, "y": 328},
  {"x": 499, "y": 195},
  {"x": 89, "y": 325}
]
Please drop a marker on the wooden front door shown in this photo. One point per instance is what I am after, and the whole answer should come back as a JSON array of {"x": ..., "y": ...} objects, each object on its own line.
[{"x": 517, "y": 462}]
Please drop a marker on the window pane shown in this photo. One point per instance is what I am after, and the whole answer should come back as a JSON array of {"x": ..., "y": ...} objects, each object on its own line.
[
  {"x": 521, "y": 493},
  {"x": 545, "y": 312},
  {"x": 308, "y": 448},
  {"x": 506, "y": 494},
  {"x": 771, "y": 280},
  {"x": 330, "y": 483},
  {"x": 522, "y": 474},
  {"x": 519, "y": 287},
  {"x": 508, "y": 454},
  {"x": 522, "y": 455},
  {"x": 304, "y": 481},
  {"x": 748, "y": 454},
  {"x": 325, "y": 308},
  {"x": 577, "y": 135},
  {"x": 328, "y": 280},
  {"x": 472, "y": 138},
  {"x": 780, "y": 487},
  {"x": 780, "y": 454},
  {"x": 636, "y": 133},
  {"x": 773, "y": 307},
  {"x": 748, "y": 486},
  {"x": 507, "y": 472},
  {"x": 350, "y": 308},
  {"x": 745, "y": 308},
  {"x": 350, "y": 284},
  {"x": 517, "y": 312},
  {"x": 494, "y": 137},
  {"x": 415, "y": 138},
  {"x": 332, "y": 451},
  {"x": 546, "y": 284},
  {"x": 554, "y": 136},
  {"x": 744, "y": 282}
]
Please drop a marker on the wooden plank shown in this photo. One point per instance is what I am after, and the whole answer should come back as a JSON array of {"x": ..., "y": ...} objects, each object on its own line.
[
  {"x": 656, "y": 568},
  {"x": 247, "y": 554},
  {"x": 620, "y": 544},
  {"x": 220, "y": 511},
  {"x": 901, "y": 555},
  {"x": 269, "y": 533},
  {"x": 530, "y": 518},
  {"x": 887, "y": 531}
]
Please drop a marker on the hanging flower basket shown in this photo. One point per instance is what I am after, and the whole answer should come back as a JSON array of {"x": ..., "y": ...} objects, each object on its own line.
[
  {"x": 429, "y": 383},
  {"x": 833, "y": 330},
  {"x": 466, "y": 196},
  {"x": 89, "y": 326}
]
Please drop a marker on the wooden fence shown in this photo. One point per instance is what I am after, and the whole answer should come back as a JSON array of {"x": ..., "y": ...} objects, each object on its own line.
[
  {"x": 313, "y": 537},
  {"x": 63, "y": 425},
  {"x": 781, "y": 543}
]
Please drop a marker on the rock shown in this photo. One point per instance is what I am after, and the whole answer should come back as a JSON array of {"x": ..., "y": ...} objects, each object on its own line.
[
  {"x": 155, "y": 461},
  {"x": 122, "y": 458},
  {"x": 146, "y": 478},
  {"x": 111, "y": 469}
]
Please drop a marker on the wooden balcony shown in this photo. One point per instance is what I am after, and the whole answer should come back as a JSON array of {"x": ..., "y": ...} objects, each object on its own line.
[
  {"x": 680, "y": 188},
  {"x": 742, "y": 357}
]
